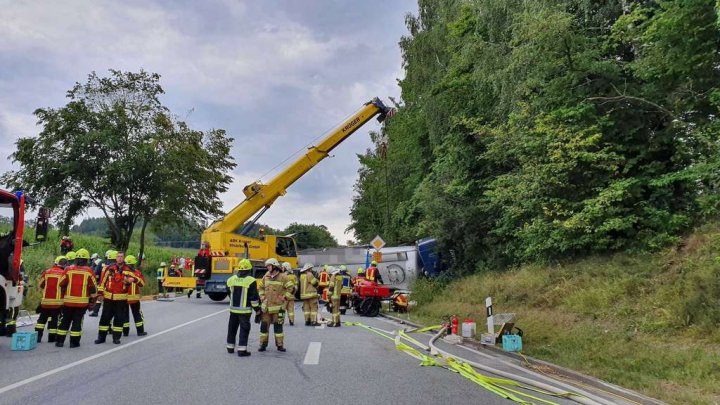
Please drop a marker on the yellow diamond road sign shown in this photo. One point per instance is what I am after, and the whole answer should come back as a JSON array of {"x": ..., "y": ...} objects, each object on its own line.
[{"x": 377, "y": 243}]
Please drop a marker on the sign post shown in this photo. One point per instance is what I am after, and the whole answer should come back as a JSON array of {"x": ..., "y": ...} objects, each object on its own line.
[{"x": 378, "y": 244}]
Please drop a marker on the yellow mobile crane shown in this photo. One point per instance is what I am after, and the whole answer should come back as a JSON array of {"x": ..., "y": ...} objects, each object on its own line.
[{"x": 226, "y": 241}]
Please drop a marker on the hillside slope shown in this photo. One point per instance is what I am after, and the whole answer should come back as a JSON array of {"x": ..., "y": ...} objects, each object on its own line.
[{"x": 644, "y": 321}]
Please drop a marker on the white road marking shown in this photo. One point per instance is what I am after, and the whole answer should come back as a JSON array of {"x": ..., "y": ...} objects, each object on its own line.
[
  {"x": 312, "y": 356},
  {"x": 105, "y": 353}
]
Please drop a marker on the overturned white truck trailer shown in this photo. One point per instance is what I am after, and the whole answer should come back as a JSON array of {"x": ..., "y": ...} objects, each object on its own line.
[{"x": 399, "y": 266}]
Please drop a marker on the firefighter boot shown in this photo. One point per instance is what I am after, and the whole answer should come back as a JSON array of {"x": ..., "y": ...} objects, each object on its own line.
[
  {"x": 262, "y": 348},
  {"x": 281, "y": 349},
  {"x": 39, "y": 333},
  {"x": 197, "y": 295},
  {"x": 51, "y": 337},
  {"x": 243, "y": 353},
  {"x": 101, "y": 338},
  {"x": 74, "y": 341},
  {"x": 60, "y": 340}
]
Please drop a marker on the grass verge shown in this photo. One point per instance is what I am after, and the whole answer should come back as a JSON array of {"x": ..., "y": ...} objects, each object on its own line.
[{"x": 643, "y": 321}]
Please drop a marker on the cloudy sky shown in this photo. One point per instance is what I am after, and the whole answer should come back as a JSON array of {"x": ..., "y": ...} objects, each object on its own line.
[{"x": 275, "y": 74}]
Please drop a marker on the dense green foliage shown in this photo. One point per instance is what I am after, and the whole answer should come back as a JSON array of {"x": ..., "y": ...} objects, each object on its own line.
[
  {"x": 547, "y": 129},
  {"x": 115, "y": 147},
  {"x": 307, "y": 236}
]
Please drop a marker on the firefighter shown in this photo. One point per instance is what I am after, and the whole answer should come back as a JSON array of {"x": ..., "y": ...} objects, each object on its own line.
[
  {"x": 290, "y": 306},
  {"x": 339, "y": 290},
  {"x": 323, "y": 280},
  {"x": 373, "y": 274},
  {"x": 357, "y": 280},
  {"x": 308, "y": 294},
  {"x": 244, "y": 298},
  {"x": 400, "y": 303},
  {"x": 114, "y": 283},
  {"x": 133, "y": 300},
  {"x": 101, "y": 271},
  {"x": 160, "y": 274},
  {"x": 52, "y": 300},
  {"x": 71, "y": 256},
  {"x": 275, "y": 291},
  {"x": 79, "y": 285}
]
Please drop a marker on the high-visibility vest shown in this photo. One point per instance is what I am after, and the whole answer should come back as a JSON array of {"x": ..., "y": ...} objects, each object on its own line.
[
  {"x": 347, "y": 285},
  {"x": 50, "y": 284},
  {"x": 79, "y": 284},
  {"x": 371, "y": 274},
  {"x": 160, "y": 273},
  {"x": 241, "y": 289},
  {"x": 324, "y": 279}
]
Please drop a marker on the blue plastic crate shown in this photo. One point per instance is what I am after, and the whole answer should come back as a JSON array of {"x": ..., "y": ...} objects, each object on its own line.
[
  {"x": 24, "y": 341},
  {"x": 512, "y": 343}
]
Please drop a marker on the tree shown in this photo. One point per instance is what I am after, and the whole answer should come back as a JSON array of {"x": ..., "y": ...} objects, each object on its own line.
[
  {"x": 546, "y": 130},
  {"x": 115, "y": 147}
]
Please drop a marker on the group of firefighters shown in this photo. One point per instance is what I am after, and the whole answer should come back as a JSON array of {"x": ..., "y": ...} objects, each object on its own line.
[
  {"x": 78, "y": 283},
  {"x": 272, "y": 298}
]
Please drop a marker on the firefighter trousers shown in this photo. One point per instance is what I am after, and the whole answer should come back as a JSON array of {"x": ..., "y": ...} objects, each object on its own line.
[
  {"x": 335, "y": 310},
  {"x": 310, "y": 309},
  {"x": 71, "y": 320},
  {"x": 241, "y": 321},
  {"x": 290, "y": 311},
  {"x": 112, "y": 310},
  {"x": 138, "y": 317},
  {"x": 277, "y": 321},
  {"x": 49, "y": 317}
]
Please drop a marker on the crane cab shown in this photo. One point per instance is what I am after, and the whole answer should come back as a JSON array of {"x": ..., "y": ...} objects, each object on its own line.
[{"x": 218, "y": 265}]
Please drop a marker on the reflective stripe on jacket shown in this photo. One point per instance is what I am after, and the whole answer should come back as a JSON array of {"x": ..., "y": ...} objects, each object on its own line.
[
  {"x": 113, "y": 282},
  {"x": 308, "y": 286},
  {"x": 275, "y": 291},
  {"x": 324, "y": 277},
  {"x": 134, "y": 288},
  {"x": 50, "y": 283},
  {"x": 243, "y": 290},
  {"x": 340, "y": 284},
  {"x": 79, "y": 285}
]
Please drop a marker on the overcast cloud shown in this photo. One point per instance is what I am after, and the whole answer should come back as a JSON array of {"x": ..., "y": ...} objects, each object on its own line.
[{"x": 275, "y": 74}]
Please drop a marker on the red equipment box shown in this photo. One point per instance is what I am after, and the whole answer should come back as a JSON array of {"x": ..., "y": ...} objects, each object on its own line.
[{"x": 373, "y": 290}]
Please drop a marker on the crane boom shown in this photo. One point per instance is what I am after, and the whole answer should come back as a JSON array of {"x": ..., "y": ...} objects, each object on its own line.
[
  {"x": 223, "y": 246},
  {"x": 259, "y": 196}
]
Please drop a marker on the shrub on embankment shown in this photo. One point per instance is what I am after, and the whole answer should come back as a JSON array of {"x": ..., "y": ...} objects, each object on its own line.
[{"x": 645, "y": 321}]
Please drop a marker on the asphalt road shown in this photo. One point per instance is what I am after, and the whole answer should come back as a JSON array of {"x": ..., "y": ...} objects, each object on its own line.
[{"x": 183, "y": 360}]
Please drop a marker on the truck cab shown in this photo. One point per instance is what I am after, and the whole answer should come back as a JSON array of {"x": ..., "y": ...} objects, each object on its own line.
[{"x": 12, "y": 224}]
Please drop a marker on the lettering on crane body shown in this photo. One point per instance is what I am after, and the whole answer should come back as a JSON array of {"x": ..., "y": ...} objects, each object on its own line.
[
  {"x": 351, "y": 124},
  {"x": 237, "y": 245}
]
